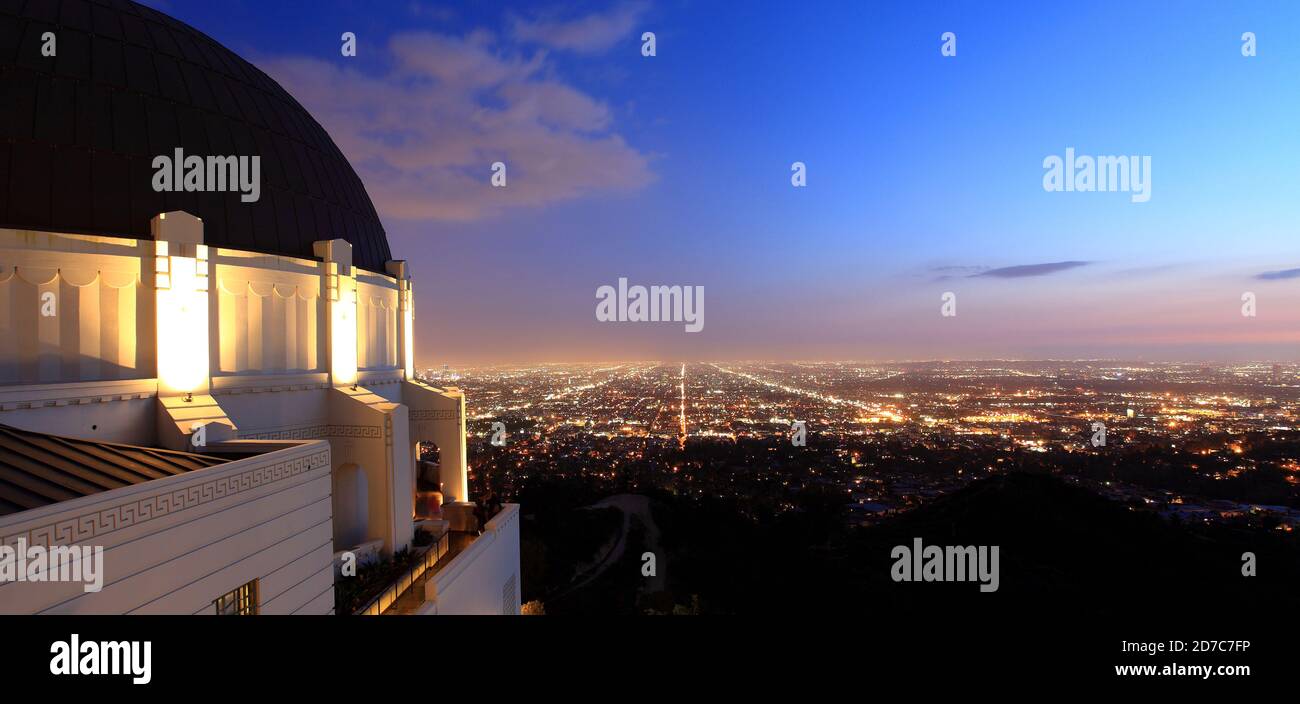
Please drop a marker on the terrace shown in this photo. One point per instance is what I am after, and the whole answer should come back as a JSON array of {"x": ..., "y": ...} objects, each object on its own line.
[{"x": 440, "y": 576}]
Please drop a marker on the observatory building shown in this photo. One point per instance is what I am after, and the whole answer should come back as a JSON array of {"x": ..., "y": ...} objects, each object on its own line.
[{"x": 214, "y": 393}]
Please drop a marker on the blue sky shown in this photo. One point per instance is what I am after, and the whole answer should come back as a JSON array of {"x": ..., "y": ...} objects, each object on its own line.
[{"x": 924, "y": 171}]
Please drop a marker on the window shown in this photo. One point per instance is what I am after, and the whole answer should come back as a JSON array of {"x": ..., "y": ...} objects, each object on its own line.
[{"x": 240, "y": 602}]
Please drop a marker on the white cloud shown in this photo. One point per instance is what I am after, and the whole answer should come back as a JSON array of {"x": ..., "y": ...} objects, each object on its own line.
[
  {"x": 589, "y": 34},
  {"x": 423, "y": 135}
]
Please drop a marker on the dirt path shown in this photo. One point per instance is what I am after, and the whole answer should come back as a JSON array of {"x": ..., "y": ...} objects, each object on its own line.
[{"x": 629, "y": 505}]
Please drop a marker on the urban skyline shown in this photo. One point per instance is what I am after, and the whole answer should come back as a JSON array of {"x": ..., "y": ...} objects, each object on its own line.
[{"x": 1212, "y": 444}]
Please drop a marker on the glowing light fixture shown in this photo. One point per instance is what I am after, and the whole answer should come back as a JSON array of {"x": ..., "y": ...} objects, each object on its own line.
[
  {"x": 343, "y": 329},
  {"x": 182, "y": 324},
  {"x": 181, "y": 296},
  {"x": 408, "y": 329}
]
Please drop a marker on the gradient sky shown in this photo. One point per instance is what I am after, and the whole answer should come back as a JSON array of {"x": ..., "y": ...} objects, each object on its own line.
[{"x": 924, "y": 172}]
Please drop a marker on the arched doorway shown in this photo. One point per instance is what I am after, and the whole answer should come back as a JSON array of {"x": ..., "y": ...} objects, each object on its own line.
[{"x": 428, "y": 484}]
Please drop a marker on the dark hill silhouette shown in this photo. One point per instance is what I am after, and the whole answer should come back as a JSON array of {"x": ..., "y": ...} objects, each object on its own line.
[
  {"x": 1065, "y": 552},
  {"x": 1064, "y": 548}
]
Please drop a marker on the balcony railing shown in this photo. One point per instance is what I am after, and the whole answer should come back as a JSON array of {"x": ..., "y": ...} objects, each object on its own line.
[{"x": 424, "y": 562}]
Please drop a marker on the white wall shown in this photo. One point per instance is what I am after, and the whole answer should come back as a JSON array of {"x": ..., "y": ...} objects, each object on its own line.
[
  {"x": 267, "y": 316},
  {"x": 478, "y": 581},
  {"x": 109, "y": 411},
  {"x": 73, "y": 308},
  {"x": 377, "y": 341},
  {"x": 173, "y": 545}
]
